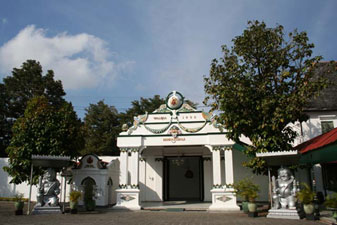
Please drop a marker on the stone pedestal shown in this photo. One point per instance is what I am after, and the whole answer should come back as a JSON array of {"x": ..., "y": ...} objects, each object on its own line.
[
  {"x": 127, "y": 199},
  {"x": 46, "y": 210},
  {"x": 223, "y": 200},
  {"x": 283, "y": 214}
]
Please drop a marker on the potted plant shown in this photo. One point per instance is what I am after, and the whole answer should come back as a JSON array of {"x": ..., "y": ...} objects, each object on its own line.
[
  {"x": 74, "y": 196},
  {"x": 89, "y": 201},
  {"x": 19, "y": 204},
  {"x": 306, "y": 197},
  {"x": 252, "y": 195},
  {"x": 248, "y": 192},
  {"x": 331, "y": 204}
]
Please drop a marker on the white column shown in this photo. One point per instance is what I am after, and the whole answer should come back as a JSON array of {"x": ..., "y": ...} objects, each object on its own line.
[
  {"x": 207, "y": 179},
  {"x": 128, "y": 198},
  {"x": 135, "y": 168},
  {"x": 124, "y": 167},
  {"x": 222, "y": 198},
  {"x": 229, "y": 166},
  {"x": 216, "y": 160}
]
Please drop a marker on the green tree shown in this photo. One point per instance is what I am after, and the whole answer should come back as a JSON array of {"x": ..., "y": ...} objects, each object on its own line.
[
  {"x": 139, "y": 107},
  {"x": 101, "y": 128},
  {"x": 43, "y": 130},
  {"x": 5, "y": 125},
  {"x": 261, "y": 85},
  {"x": 16, "y": 90}
]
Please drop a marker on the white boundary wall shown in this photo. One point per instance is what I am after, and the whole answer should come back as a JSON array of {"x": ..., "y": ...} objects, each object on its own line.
[{"x": 10, "y": 190}]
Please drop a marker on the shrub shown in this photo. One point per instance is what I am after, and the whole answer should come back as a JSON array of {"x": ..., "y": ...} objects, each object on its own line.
[
  {"x": 331, "y": 201},
  {"x": 246, "y": 189},
  {"x": 74, "y": 196},
  {"x": 305, "y": 195}
]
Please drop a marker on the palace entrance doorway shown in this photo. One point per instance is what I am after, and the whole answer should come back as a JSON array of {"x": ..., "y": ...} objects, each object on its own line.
[{"x": 183, "y": 178}]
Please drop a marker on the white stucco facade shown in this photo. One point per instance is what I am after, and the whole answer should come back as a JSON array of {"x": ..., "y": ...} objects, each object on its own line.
[
  {"x": 158, "y": 151},
  {"x": 312, "y": 128},
  {"x": 104, "y": 172}
]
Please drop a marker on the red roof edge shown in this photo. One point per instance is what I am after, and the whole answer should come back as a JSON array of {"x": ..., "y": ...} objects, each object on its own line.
[{"x": 318, "y": 142}]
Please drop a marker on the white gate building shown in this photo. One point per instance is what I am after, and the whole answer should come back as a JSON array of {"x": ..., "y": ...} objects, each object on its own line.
[{"x": 178, "y": 153}]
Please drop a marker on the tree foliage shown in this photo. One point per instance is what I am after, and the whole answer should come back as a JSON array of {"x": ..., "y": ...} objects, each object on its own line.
[
  {"x": 24, "y": 84},
  {"x": 101, "y": 128},
  {"x": 261, "y": 84},
  {"x": 139, "y": 107},
  {"x": 5, "y": 125},
  {"x": 145, "y": 105},
  {"x": 43, "y": 130}
]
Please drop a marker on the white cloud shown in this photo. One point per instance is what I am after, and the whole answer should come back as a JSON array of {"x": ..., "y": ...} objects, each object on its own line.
[
  {"x": 4, "y": 20},
  {"x": 79, "y": 61}
]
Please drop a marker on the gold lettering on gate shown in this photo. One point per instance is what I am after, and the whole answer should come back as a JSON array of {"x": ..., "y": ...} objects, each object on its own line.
[
  {"x": 174, "y": 139},
  {"x": 159, "y": 117}
]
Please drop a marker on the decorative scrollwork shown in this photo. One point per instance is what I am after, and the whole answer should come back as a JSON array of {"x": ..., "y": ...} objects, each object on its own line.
[
  {"x": 222, "y": 148},
  {"x": 158, "y": 131},
  {"x": 191, "y": 130}
]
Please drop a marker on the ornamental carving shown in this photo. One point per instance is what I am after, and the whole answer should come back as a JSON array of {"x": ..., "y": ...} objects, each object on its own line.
[
  {"x": 174, "y": 131},
  {"x": 222, "y": 148},
  {"x": 174, "y": 100},
  {"x": 174, "y": 105},
  {"x": 127, "y": 197},
  {"x": 223, "y": 198}
]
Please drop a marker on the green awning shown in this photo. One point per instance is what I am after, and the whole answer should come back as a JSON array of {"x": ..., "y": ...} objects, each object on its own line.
[
  {"x": 240, "y": 146},
  {"x": 324, "y": 154}
]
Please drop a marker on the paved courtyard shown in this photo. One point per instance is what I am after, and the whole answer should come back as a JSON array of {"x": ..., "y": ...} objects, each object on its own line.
[{"x": 108, "y": 216}]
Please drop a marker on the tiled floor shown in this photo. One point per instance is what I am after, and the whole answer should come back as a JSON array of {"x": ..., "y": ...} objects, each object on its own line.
[
  {"x": 104, "y": 216},
  {"x": 189, "y": 206}
]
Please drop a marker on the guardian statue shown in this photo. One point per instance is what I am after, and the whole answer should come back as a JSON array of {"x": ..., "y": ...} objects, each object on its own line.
[
  {"x": 49, "y": 189},
  {"x": 284, "y": 190}
]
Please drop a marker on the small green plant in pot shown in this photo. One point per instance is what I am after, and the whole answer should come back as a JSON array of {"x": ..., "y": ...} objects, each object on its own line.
[
  {"x": 253, "y": 194},
  {"x": 74, "y": 196},
  {"x": 247, "y": 191},
  {"x": 19, "y": 204},
  {"x": 331, "y": 204},
  {"x": 306, "y": 197}
]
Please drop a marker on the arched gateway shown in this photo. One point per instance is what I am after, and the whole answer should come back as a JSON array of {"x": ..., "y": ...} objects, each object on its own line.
[{"x": 175, "y": 153}]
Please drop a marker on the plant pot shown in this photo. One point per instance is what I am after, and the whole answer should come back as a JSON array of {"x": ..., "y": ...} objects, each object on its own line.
[
  {"x": 245, "y": 207},
  {"x": 19, "y": 208},
  {"x": 252, "y": 207},
  {"x": 73, "y": 205},
  {"x": 90, "y": 205},
  {"x": 308, "y": 208},
  {"x": 18, "y": 212}
]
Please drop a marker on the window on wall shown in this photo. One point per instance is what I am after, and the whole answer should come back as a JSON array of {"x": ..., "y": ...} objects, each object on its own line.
[{"x": 326, "y": 126}]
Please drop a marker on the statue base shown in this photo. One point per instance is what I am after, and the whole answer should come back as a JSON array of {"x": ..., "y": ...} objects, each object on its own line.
[
  {"x": 223, "y": 200},
  {"x": 283, "y": 214},
  {"x": 46, "y": 210},
  {"x": 127, "y": 199}
]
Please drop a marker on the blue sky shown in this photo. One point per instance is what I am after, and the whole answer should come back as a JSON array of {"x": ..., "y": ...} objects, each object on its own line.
[{"x": 122, "y": 50}]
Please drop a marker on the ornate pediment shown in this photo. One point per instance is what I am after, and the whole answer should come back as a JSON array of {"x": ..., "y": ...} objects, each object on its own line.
[{"x": 175, "y": 112}]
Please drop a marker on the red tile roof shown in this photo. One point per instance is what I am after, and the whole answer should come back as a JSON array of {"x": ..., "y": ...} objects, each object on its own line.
[{"x": 318, "y": 142}]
